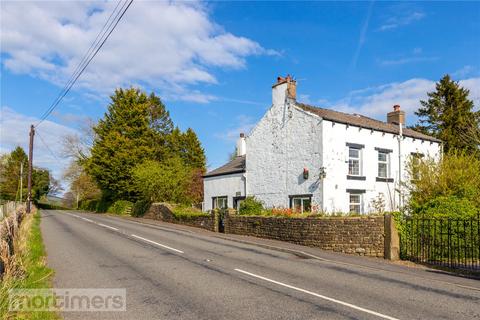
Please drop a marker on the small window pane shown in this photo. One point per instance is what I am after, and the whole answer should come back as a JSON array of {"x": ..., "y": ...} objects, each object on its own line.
[
  {"x": 307, "y": 204},
  {"x": 220, "y": 203},
  {"x": 382, "y": 156},
  {"x": 354, "y": 167},
  {"x": 354, "y": 198},
  {"x": 297, "y": 204},
  {"x": 355, "y": 203},
  {"x": 353, "y": 153},
  {"x": 382, "y": 170}
]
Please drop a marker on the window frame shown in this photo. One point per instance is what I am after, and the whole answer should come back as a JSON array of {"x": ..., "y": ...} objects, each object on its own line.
[
  {"x": 386, "y": 163},
  {"x": 360, "y": 204},
  {"x": 302, "y": 198},
  {"x": 215, "y": 202},
  {"x": 355, "y": 203},
  {"x": 357, "y": 159},
  {"x": 359, "y": 148}
]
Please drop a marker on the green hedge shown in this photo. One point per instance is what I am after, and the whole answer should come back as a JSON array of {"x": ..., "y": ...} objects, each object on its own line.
[
  {"x": 182, "y": 212},
  {"x": 140, "y": 208},
  {"x": 97, "y": 205},
  {"x": 49, "y": 206},
  {"x": 121, "y": 207}
]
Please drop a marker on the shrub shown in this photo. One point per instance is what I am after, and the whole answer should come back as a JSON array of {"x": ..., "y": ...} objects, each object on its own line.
[
  {"x": 89, "y": 205},
  {"x": 452, "y": 184},
  {"x": 166, "y": 181},
  {"x": 103, "y": 205},
  {"x": 449, "y": 207},
  {"x": 185, "y": 212},
  {"x": 140, "y": 208},
  {"x": 251, "y": 206},
  {"x": 121, "y": 207}
]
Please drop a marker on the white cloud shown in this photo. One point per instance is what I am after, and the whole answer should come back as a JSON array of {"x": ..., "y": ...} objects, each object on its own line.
[
  {"x": 14, "y": 131},
  {"x": 401, "y": 20},
  {"x": 165, "y": 45},
  {"x": 377, "y": 101}
]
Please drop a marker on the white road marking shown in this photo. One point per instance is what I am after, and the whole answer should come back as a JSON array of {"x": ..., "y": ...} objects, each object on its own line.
[
  {"x": 109, "y": 227},
  {"x": 86, "y": 219},
  {"x": 156, "y": 243},
  {"x": 319, "y": 296}
]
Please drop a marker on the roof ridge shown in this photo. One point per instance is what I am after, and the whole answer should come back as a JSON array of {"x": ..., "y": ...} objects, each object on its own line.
[{"x": 362, "y": 121}]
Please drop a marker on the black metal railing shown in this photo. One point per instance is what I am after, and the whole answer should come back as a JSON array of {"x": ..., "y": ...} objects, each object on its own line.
[{"x": 452, "y": 243}]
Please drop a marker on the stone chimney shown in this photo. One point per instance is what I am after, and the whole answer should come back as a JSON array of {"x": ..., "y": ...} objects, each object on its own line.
[
  {"x": 241, "y": 145},
  {"x": 397, "y": 116},
  {"x": 285, "y": 88}
]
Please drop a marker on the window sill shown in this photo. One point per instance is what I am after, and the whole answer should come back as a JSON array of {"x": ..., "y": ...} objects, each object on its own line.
[
  {"x": 379, "y": 179},
  {"x": 349, "y": 177}
]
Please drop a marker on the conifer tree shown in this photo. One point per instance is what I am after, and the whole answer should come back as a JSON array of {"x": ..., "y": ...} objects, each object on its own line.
[
  {"x": 449, "y": 115},
  {"x": 187, "y": 147},
  {"x": 133, "y": 130}
]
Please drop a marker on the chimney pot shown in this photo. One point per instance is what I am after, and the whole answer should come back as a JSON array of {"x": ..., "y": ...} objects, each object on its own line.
[
  {"x": 396, "y": 107},
  {"x": 242, "y": 135}
]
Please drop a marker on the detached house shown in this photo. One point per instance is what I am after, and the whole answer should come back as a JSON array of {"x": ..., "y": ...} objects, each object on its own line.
[{"x": 304, "y": 157}]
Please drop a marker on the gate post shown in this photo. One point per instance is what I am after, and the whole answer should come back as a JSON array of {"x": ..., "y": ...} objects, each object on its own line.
[
  {"x": 215, "y": 218},
  {"x": 392, "y": 241}
]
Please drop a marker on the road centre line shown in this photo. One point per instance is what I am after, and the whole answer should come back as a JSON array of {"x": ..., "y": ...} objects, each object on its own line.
[
  {"x": 109, "y": 227},
  {"x": 156, "y": 243},
  {"x": 346, "y": 304}
]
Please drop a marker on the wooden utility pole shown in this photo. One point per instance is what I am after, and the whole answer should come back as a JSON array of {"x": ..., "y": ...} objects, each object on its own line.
[
  {"x": 21, "y": 181},
  {"x": 30, "y": 167}
]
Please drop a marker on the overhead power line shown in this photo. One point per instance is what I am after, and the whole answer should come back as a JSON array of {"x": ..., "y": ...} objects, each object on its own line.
[
  {"x": 46, "y": 146},
  {"x": 98, "y": 43},
  {"x": 84, "y": 58}
]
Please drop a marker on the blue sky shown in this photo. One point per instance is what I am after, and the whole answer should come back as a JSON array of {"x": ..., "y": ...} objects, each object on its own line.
[{"x": 214, "y": 63}]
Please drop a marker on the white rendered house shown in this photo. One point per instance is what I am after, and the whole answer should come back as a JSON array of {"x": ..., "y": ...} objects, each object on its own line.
[{"x": 304, "y": 157}]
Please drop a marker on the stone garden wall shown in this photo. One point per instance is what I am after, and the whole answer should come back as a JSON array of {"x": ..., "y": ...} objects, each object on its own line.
[{"x": 354, "y": 235}]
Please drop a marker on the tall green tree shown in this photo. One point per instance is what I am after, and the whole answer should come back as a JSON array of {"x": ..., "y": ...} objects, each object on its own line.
[
  {"x": 42, "y": 183},
  {"x": 10, "y": 175},
  {"x": 133, "y": 130},
  {"x": 187, "y": 147},
  {"x": 449, "y": 115}
]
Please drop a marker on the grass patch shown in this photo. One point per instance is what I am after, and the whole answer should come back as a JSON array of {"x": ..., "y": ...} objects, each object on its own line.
[{"x": 30, "y": 270}]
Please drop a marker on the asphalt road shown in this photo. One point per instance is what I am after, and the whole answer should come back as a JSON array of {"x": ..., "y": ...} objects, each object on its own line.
[{"x": 170, "y": 273}]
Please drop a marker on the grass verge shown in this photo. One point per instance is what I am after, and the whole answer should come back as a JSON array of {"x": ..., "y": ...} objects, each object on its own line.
[{"x": 29, "y": 270}]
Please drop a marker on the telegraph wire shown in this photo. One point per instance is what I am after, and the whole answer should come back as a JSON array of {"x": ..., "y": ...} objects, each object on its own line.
[
  {"x": 94, "y": 44},
  {"x": 100, "y": 44},
  {"x": 46, "y": 146}
]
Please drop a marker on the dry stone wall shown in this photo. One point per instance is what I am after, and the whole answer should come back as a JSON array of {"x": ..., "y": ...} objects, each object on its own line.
[{"x": 354, "y": 235}]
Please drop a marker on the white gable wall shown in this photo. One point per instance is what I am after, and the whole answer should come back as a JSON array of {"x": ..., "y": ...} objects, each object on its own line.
[
  {"x": 335, "y": 159},
  {"x": 284, "y": 142}
]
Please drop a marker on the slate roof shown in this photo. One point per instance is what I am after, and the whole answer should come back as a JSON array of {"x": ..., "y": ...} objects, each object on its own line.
[
  {"x": 237, "y": 165},
  {"x": 363, "y": 122}
]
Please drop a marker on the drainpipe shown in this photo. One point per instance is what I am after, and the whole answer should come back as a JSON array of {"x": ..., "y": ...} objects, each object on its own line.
[{"x": 400, "y": 137}]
